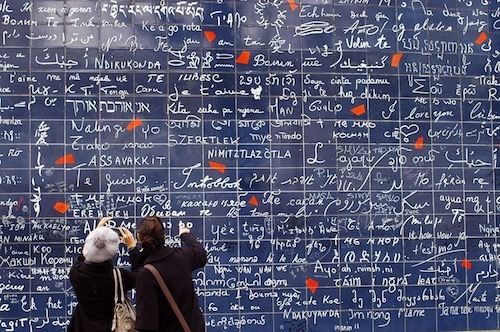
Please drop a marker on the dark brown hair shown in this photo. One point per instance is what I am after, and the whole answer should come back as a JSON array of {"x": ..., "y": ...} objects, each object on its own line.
[{"x": 152, "y": 232}]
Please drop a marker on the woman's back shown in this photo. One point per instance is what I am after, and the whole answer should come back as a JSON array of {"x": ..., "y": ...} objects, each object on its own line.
[
  {"x": 93, "y": 283},
  {"x": 175, "y": 265}
]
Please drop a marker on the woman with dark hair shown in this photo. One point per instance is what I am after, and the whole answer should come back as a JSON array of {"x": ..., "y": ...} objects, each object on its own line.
[{"x": 175, "y": 266}]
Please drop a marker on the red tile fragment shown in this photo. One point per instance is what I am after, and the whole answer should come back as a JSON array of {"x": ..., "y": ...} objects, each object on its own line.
[
  {"x": 481, "y": 38},
  {"x": 419, "y": 144},
  {"x": 210, "y": 35},
  {"x": 396, "y": 58},
  {"x": 253, "y": 201},
  {"x": 221, "y": 168},
  {"x": 359, "y": 110},
  {"x": 61, "y": 207},
  {"x": 134, "y": 124},
  {"x": 66, "y": 159},
  {"x": 312, "y": 285},
  {"x": 292, "y": 4},
  {"x": 243, "y": 58},
  {"x": 467, "y": 264}
]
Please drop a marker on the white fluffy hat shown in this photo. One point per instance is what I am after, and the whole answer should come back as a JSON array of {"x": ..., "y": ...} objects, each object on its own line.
[{"x": 100, "y": 245}]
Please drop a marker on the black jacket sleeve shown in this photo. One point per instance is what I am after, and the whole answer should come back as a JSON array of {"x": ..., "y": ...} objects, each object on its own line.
[
  {"x": 195, "y": 251},
  {"x": 134, "y": 255}
]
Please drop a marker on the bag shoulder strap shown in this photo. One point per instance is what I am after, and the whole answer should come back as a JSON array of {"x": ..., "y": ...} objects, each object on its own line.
[
  {"x": 119, "y": 294},
  {"x": 115, "y": 277},
  {"x": 169, "y": 296}
]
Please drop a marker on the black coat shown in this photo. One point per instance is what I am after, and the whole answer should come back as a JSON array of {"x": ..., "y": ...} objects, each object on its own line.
[
  {"x": 175, "y": 266},
  {"x": 93, "y": 285}
]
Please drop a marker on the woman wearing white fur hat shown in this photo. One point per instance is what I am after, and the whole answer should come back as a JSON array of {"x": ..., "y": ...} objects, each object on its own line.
[{"x": 92, "y": 278}]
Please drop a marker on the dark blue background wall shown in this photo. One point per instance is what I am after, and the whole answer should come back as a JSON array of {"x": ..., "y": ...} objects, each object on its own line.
[{"x": 338, "y": 159}]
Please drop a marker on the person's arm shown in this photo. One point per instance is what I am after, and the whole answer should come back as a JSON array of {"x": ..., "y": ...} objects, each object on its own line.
[
  {"x": 128, "y": 239},
  {"x": 198, "y": 252},
  {"x": 103, "y": 222},
  {"x": 134, "y": 255}
]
